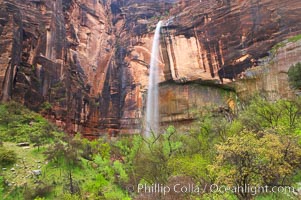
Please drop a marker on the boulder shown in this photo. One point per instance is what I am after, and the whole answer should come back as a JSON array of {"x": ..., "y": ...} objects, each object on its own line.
[
  {"x": 37, "y": 172},
  {"x": 23, "y": 144}
]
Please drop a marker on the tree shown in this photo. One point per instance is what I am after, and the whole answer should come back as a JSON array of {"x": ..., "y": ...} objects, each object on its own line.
[
  {"x": 257, "y": 159},
  {"x": 151, "y": 163},
  {"x": 194, "y": 166},
  {"x": 291, "y": 113},
  {"x": 66, "y": 154},
  {"x": 41, "y": 135},
  {"x": 261, "y": 114},
  {"x": 294, "y": 74}
]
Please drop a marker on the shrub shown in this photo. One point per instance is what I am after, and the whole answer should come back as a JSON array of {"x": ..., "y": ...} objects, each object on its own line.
[
  {"x": 294, "y": 74},
  {"x": 39, "y": 192},
  {"x": 1, "y": 187},
  {"x": 45, "y": 107},
  {"x": 18, "y": 124},
  {"x": 7, "y": 157},
  {"x": 257, "y": 159},
  {"x": 68, "y": 196}
]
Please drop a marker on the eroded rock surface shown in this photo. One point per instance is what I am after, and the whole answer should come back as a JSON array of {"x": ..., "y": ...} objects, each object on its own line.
[{"x": 84, "y": 64}]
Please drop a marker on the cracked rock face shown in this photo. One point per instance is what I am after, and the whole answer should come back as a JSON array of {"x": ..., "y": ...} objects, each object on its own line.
[
  {"x": 218, "y": 40},
  {"x": 57, "y": 52},
  {"x": 89, "y": 59}
]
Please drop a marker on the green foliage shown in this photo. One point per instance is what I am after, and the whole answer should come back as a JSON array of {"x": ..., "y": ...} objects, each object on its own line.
[
  {"x": 65, "y": 153},
  {"x": 104, "y": 182},
  {"x": 67, "y": 196},
  {"x": 101, "y": 177},
  {"x": 294, "y": 76},
  {"x": 7, "y": 157},
  {"x": 46, "y": 106},
  {"x": 192, "y": 166},
  {"x": 217, "y": 196},
  {"x": 39, "y": 198},
  {"x": 91, "y": 149},
  {"x": 127, "y": 149},
  {"x": 18, "y": 124},
  {"x": 274, "y": 196},
  {"x": 295, "y": 38},
  {"x": 95, "y": 187},
  {"x": 120, "y": 171},
  {"x": 257, "y": 145},
  {"x": 39, "y": 192},
  {"x": 100, "y": 147},
  {"x": 114, "y": 193},
  {"x": 15, "y": 193},
  {"x": 42, "y": 135},
  {"x": 257, "y": 159},
  {"x": 156, "y": 152},
  {"x": 276, "y": 47},
  {"x": 1, "y": 187},
  {"x": 261, "y": 114}
]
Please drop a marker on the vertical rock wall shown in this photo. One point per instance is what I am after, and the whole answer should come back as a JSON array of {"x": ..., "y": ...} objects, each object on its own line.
[
  {"x": 84, "y": 64},
  {"x": 57, "y": 53},
  {"x": 270, "y": 77}
]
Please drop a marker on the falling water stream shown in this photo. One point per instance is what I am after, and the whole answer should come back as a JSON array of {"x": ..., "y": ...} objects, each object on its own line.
[
  {"x": 6, "y": 84},
  {"x": 152, "y": 103}
]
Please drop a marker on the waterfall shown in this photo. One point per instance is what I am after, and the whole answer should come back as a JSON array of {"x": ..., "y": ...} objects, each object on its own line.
[
  {"x": 7, "y": 84},
  {"x": 152, "y": 104}
]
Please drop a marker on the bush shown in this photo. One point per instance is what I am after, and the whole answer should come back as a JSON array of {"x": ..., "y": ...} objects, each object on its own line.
[
  {"x": 294, "y": 76},
  {"x": 39, "y": 192},
  {"x": 257, "y": 159},
  {"x": 7, "y": 157},
  {"x": 45, "y": 107},
  {"x": 18, "y": 124},
  {"x": 1, "y": 187},
  {"x": 68, "y": 196}
]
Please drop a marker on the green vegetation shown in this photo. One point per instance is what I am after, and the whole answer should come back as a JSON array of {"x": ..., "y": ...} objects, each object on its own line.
[
  {"x": 46, "y": 107},
  {"x": 294, "y": 75},
  {"x": 295, "y": 38},
  {"x": 18, "y": 124},
  {"x": 258, "y": 145},
  {"x": 276, "y": 47},
  {"x": 7, "y": 157},
  {"x": 258, "y": 160},
  {"x": 1, "y": 187}
]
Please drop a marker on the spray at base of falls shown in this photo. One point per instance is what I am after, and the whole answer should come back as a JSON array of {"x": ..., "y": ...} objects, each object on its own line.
[{"x": 152, "y": 103}]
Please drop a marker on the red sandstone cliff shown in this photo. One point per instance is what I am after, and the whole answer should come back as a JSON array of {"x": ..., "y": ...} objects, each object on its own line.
[{"x": 89, "y": 59}]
